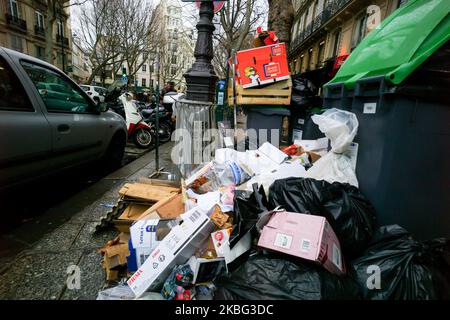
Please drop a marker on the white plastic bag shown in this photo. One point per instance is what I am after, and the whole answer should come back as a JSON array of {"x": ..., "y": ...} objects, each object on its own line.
[{"x": 341, "y": 128}]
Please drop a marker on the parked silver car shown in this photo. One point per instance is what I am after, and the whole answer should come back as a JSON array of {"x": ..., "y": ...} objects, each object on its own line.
[{"x": 48, "y": 123}]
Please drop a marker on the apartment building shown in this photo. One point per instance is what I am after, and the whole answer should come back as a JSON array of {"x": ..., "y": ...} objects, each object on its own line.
[
  {"x": 325, "y": 32},
  {"x": 22, "y": 28},
  {"x": 80, "y": 70}
]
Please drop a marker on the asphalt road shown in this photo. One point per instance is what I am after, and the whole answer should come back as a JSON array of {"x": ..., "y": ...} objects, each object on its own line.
[{"x": 27, "y": 203}]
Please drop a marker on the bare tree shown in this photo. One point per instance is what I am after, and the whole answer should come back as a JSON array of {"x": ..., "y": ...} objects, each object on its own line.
[
  {"x": 116, "y": 33},
  {"x": 237, "y": 19},
  {"x": 137, "y": 28},
  {"x": 281, "y": 18}
]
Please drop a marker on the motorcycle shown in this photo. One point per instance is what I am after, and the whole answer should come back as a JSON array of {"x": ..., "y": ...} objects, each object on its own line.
[
  {"x": 164, "y": 120},
  {"x": 122, "y": 103}
]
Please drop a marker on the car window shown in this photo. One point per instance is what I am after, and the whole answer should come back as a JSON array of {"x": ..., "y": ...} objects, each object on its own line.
[
  {"x": 60, "y": 95},
  {"x": 84, "y": 88},
  {"x": 12, "y": 94}
]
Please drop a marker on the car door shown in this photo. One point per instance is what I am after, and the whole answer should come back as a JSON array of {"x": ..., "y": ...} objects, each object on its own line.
[
  {"x": 25, "y": 136},
  {"x": 78, "y": 130}
]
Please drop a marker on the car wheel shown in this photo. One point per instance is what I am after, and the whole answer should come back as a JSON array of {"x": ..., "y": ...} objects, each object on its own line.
[{"x": 116, "y": 150}]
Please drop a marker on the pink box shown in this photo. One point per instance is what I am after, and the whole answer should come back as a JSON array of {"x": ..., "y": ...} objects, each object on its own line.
[{"x": 304, "y": 236}]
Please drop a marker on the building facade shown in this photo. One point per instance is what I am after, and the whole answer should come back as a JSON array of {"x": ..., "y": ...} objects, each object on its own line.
[
  {"x": 177, "y": 43},
  {"x": 325, "y": 32},
  {"x": 80, "y": 70},
  {"x": 22, "y": 28}
]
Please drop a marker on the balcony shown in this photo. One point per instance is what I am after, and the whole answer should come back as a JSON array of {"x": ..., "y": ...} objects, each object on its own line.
[
  {"x": 16, "y": 23},
  {"x": 61, "y": 39},
  {"x": 39, "y": 31},
  {"x": 329, "y": 12}
]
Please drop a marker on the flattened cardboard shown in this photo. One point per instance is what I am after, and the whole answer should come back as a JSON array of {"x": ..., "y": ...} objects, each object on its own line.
[
  {"x": 168, "y": 208},
  {"x": 146, "y": 192}
]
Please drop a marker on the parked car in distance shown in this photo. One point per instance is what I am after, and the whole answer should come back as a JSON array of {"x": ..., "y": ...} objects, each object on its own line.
[
  {"x": 49, "y": 124},
  {"x": 96, "y": 93}
]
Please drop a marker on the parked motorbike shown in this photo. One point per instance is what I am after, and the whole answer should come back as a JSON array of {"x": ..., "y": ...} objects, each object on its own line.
[
  {"x": 164, "y": 120},
  {"x": 122, "y": 103}
]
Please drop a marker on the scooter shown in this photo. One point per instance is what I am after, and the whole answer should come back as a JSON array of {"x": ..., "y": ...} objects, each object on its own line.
[
  {"x": 122, "y": 103},
  {"x": 148, "y": 112}
]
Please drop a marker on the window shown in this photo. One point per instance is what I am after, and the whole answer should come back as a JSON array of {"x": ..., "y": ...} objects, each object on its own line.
[
  {"x": 174, "y": 59},
  {"x": 60, "y": 57},
  {"x": 144, "y": 82},
  {"x": 39, "y": 19},
  {"x": 151, "y": 83},
  {"x": 144, "y": 67},
  {"x": 152, "y": 68},
  {"x": 336, "y": 39},
  {"x": 16, "y": 43},
  {"x": 359, "y": 31},
  {"x": 12, "y": 93},
  {"x": 173, "y": 71},
  {"x": 59, "y": 28},
  {"x": 319, "y": 7},
  {"x": 13, "y": 8},
  {"x": 320, "y": 56},
  {"x": 58, "y": 93},
  {"x": 40, "y": 52}
]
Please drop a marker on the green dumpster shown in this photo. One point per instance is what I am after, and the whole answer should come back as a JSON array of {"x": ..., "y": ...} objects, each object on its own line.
[{"x": 397, "y": 83}]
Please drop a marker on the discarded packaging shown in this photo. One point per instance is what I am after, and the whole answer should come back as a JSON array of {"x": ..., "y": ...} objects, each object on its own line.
[
  {"x": 304, "y": 236},
  {"x": 176, "y": 248},
  {"x": 206, "y": 270}
]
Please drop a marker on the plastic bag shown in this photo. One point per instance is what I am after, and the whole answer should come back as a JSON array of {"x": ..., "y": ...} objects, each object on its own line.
[
  {"x": 120, "y": 292},
  {"x": 177, "y": 285},
  {"x": 230, "y": 173},
  {"x": 341, "y": 128},
  {"x": 247, "y": 208},
  {"x": 279, "y": 278},
  {"x": 409, "y": 270},
  {"x": 349, "y": 213}
]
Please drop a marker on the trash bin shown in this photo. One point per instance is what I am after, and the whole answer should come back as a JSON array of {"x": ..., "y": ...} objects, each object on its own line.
[
  {"x": 263, "y": 120},
  {"x": 397, "y": 85}
]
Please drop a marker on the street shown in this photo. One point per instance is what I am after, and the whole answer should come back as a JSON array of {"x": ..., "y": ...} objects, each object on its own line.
[{"x": 49, "y": 227}]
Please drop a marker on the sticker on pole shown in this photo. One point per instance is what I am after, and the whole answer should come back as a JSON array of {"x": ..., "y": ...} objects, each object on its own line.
[{"x": 218, "y": 5}]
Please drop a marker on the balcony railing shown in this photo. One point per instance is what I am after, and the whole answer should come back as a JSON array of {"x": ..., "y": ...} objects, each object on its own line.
[
  {"x": 331, "y": 9},
  {"x": 16, "y": 22},
  {"x": 39, "y": 31},
  {"x": 64, "y": 40}
]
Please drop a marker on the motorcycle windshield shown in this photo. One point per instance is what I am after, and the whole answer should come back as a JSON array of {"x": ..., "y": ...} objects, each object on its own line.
[{"x": 115, "y": 89}]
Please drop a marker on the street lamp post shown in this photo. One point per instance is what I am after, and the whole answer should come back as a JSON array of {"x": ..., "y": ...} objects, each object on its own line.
[{"x": 201, "y": 78}]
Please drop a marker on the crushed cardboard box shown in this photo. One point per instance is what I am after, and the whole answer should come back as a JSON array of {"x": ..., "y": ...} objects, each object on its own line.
[
  {"x": 146, "y": 192},
  {"x": 115, "y": 254}
]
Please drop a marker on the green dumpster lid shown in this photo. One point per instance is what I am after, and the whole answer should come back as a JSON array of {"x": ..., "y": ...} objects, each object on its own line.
[{"x": 400, "y": 44}]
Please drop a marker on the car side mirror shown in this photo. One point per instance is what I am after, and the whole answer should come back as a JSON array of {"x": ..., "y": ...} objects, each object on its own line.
[{"x": 102, "y": 107}]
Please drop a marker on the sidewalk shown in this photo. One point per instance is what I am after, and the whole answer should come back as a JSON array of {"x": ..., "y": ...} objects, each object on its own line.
[{"x": 35, "y": 267}]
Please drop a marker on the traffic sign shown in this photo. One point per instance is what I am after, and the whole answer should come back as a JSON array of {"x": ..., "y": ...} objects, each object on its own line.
[{"x": 218, "y": 5}]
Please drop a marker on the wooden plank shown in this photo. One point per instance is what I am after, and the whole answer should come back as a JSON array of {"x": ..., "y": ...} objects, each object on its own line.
[{"x": 263, "y": 100}]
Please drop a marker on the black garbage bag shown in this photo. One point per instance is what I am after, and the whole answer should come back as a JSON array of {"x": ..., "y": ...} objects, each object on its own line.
[
  {"x": 408, "y": 269},
  {"x": 279, "y": 277},
  {"x": 349, "y": 213},
  {"x": 247, "y": 207}
]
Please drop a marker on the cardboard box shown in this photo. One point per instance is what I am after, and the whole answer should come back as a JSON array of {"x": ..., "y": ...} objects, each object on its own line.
[
  {"x": 115, "y": 254},
  {"x": 176, "y": 248},
  {"x": 262, "y": 65},
  {"x": 206, "y": 270},
  {"x": 146, "y": 192},
  {"x": 168, "y": 208},
  {"x": 305, "y": 236},
  {"x": 145, "y": 235}
]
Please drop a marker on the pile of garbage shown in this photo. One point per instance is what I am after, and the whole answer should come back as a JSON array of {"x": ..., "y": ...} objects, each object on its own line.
[{"x": 269, "y": 224}]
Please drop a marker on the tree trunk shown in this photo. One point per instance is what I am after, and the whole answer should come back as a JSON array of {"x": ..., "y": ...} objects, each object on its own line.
[
  {"x": 51, "y": 18},
  {"x": 281, "y": 18}
]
